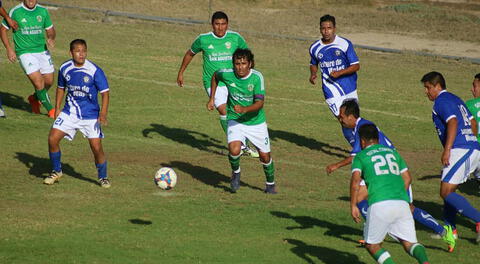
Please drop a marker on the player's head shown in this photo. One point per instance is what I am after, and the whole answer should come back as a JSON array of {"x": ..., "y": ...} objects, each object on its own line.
[
  {"x": 30, "y": 3},
  {"x": 327, "y": 28},
  {"x": 78, "y": 51},
  {"x": 434, "y": 83},
  {"x": 349, "y": 113},
  {"x": 219, "y": 23},
  {"x": 476, "y": 86},
  {"x": 243, "y": 61},
  {"x": 368, "y": 135}
]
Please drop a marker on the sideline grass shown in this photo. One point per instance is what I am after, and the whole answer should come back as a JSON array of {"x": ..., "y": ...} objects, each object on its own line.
[{"x": 153, "y": 124}]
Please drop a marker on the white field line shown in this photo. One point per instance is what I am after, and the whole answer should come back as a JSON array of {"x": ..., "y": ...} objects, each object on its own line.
[{"x": 172, "y": 84}]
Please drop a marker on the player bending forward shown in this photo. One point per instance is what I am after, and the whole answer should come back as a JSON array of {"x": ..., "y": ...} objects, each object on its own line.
[
  {"x": 245, "y": 114},
  {"x": 81, "y": 80},
  {"x": 386, "y": 176}
]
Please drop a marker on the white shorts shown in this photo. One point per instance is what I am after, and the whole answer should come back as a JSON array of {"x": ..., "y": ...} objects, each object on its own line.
[
  {"x": 335, "y": 103},
  {"x": 393, "y": 217},
  {"x": 462, "y": 163},
  {"x": 221, "y": 95},
  {"x": 90, "y": 128},
  {"x": 257, "y": 134},
  {"x": 32, "y": 62}
]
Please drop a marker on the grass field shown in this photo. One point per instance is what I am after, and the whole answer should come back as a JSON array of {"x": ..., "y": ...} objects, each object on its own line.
[{"x": 153, "y": 123}]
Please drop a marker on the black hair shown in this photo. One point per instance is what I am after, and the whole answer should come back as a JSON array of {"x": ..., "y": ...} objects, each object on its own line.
[
  {"x": 243, "y": 54},
  {"x": 219, "y": 15},
  {"x": 368, "y": 132},
  {"x": 328, "y": 18},
  {"x": 434, "y": 78},
  {"x": 477, "y": 76},
  {"x": 351, "y": 108},
  {"x": 77, "y": 42}
]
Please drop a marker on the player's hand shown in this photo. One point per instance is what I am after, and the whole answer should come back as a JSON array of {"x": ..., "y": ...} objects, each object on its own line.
[
  {"x": 102, "y": 119},
  {"x": 356, "y": 214},
  {"x": 12, "y": 57},
  {"x": 335, "y": 74},
  {"x": 13, "y": 24},
  {"x": 446, "y": 157},
  {"x": 331, "y": 168},
  {"x": 57, "y": 112},
  {"x": 210, "y": 105},
  {"x": 180, "y": 80},
  {"x": 313, "y": 79},
  {"x": 51, "y": 43},
  {"x": 239, "y": 109}
]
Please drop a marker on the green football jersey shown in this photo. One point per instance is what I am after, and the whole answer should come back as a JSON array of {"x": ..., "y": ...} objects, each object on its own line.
[
  {"x": 473, "y": 106},
  {"x": 217, "y": 52},
  {"x": 381, "y": 168},
  {"x": 242, "y": 91},
  {"x": 30, "y": 36}
]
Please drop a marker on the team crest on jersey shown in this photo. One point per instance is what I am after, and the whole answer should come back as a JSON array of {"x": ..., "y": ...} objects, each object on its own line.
[
  {"x": 86, "y": 79},
  {"x": 320, "y": 56},
  {"x": 250, "y": 87},
  {"x": 39, "y": 18},
  {"x": 210, "y": 46},
  {"x": 228, "y": 44},
  {"x": 338, "y": 52}
]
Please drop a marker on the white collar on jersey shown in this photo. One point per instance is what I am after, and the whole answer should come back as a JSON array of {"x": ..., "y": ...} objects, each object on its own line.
[
  {"x": 28, "y": 9},
  {"x": 334, "y": 39},
  {"x": 217, "y": 37},
  {"x": 248, "y": 75}
]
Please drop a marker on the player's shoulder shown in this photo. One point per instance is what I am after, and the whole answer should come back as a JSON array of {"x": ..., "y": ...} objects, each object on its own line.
[
  {"x": 15, "y": 9},
  {"x": 317, "y": 43},
  {"x": 65, "y": 65},
  {"x": 257, "y": 74},
  {"x": 343, "y": 42},
  {"x": 234, "y": 33}
]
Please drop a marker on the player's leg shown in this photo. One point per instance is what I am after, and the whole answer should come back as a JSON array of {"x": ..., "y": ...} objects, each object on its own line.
[
  {"x": 92, "y": 130},
  {"x": 334, "y": 105},
  {"x": 375, "y": 230},
  {"x": 36, "y": 78},
  {"x": 54, "y": 138},
  {"x": 269, "y": 171},
  {"x": 2, "y": 112},
  {"x": 47, "y": 71},
  {"x": 235, "y": 139}
]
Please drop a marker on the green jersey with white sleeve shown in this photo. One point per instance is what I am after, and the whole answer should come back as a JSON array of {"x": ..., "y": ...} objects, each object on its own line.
[{"x": 473, "y": 106}]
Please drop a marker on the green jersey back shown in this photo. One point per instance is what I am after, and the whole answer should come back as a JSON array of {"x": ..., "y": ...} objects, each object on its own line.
[
  {"x": 244, "y": 92},
  {"x": 381, "y": 167},
  {"x": 30, "y": 36},
  {"x": 473, "y": 106},
  {"x": 217, "y": 52}
]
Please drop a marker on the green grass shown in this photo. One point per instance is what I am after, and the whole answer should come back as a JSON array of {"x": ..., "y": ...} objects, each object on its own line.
[{"x": 153, "y": 123}]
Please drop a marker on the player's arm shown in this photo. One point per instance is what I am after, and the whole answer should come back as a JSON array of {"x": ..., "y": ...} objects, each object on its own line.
[
  {"x": 187, "y": 58},
  {"x": 12, "y": 57},
  {"x": 256, "y": 106},
  {"x": 213, "y": 89},
  {"x": 12, "y": 23},
  {"x": 102, "y": 118},
  {"x": 333, "y": 167},
  {"x": 451, "y": 131},
  {"x": 58, "y": 100},
  {"x": 407, "y": 179},
  {"x": 349, "y": 70},
  {"x": 474, "y": 125},
  {"x": 354, "y": 188},
  {"x": 51, "y": 34},
  {"x": 313, "y": 73}
]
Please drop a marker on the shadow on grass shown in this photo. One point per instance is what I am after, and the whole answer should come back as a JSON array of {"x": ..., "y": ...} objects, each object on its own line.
[
  {"x": 194, "y": 139},
  {"x": 14, "y": 101},
  {"x": 470, "y": 187},
  {"x": 310, "y": 143},
  {"x": 138, "y": 221},
  {"x": 324, "y": 254},
  {"x": 428, "y": 177},
  {"x": 40, "y": 167},
  {"x": 206, "y": 175},
  {"x": 335, "y": 230}
]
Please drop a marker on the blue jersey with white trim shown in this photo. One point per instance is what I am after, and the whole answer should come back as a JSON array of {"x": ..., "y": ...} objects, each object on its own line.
[
  {"x": 82, "y": 86},
  {"x": 447, "y": 106},
  {"x": 382, "y": 139},
  {"x": 335, "y": 56}
]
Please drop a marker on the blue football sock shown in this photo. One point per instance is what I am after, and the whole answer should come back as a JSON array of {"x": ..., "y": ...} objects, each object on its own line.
[
  {"x": 463, "y": 206},
  {"x": 348, "y": 134},
  {"x": 102, "y": 170},
  {"x": 449, "y": 215},
  {"x": 363, "y": 207},
  {"x": 427, "y": 220},
  {"x": 55, "y": 160}
]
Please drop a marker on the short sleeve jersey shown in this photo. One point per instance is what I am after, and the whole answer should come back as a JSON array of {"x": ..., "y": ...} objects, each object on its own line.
[
  {"x": 383, "y": 140},
  {"x": 381, "y": 168},
  {"x": 473, "y": 106},
  {"x": 82, "y": 86},
  {"x": 244, "y": 92},
  {"x": 32, "y": 23},
  {"x": 447, "y": 106},
  {"x": 217, "y": 52},
  {"x": 335, "y": 56}
]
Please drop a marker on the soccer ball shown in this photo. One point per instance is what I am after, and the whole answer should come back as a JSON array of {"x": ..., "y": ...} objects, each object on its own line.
[{"x": 165, "y": 178}]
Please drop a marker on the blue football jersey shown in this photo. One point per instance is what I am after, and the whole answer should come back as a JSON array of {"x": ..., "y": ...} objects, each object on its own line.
[
  {"x": 447, "y": 106},
  {"x": 382, "y": 139},
  {"x": 82, "y": 86},
  {"x": 335, "y": 56}
]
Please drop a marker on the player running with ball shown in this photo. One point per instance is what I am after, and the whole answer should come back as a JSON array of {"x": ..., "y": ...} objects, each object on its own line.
[{"x": 245, "y": 114}]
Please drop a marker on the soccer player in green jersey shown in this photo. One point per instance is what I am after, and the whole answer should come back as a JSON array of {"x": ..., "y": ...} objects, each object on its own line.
[
  {"x": 473, "y": 106},
  {"x": 31, "y": 49},
  {"x": 387, "y": 178},
  {"x": 245, "y": 114},
  {"x": 217, "y": 47}
]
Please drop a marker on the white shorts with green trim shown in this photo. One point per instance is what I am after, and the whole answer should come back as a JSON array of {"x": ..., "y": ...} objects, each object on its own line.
[
  {"x": 221, "y": 95},
  {"x": 32, "y": 62},
  {"x": 256, "y": 134}
]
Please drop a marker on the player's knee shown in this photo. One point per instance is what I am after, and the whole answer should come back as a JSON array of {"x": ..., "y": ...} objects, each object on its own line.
[{"x": 264, "y": 157}]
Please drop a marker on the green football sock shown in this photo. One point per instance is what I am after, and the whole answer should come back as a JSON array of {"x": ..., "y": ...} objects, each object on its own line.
[
  {"x": 223, "y": 123},
  {"x": 234, "y": 162},
  {"x": 383, "y": 257},
  {"x": 269, "y": 170},
  {"x": 42, "y": 96},
  {"x": 418, "y": 252}
]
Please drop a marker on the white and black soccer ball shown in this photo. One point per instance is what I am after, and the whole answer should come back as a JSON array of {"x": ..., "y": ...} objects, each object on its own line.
[{"x": 165, "y": 178}]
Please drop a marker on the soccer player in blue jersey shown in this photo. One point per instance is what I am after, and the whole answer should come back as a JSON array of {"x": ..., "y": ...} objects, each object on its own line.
[
  {"x": 350, "y": 117},
  {"x": 338, "y": 63},
  {"x": 81, "y": 80},
  {"x": 461, "y": 155}
]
